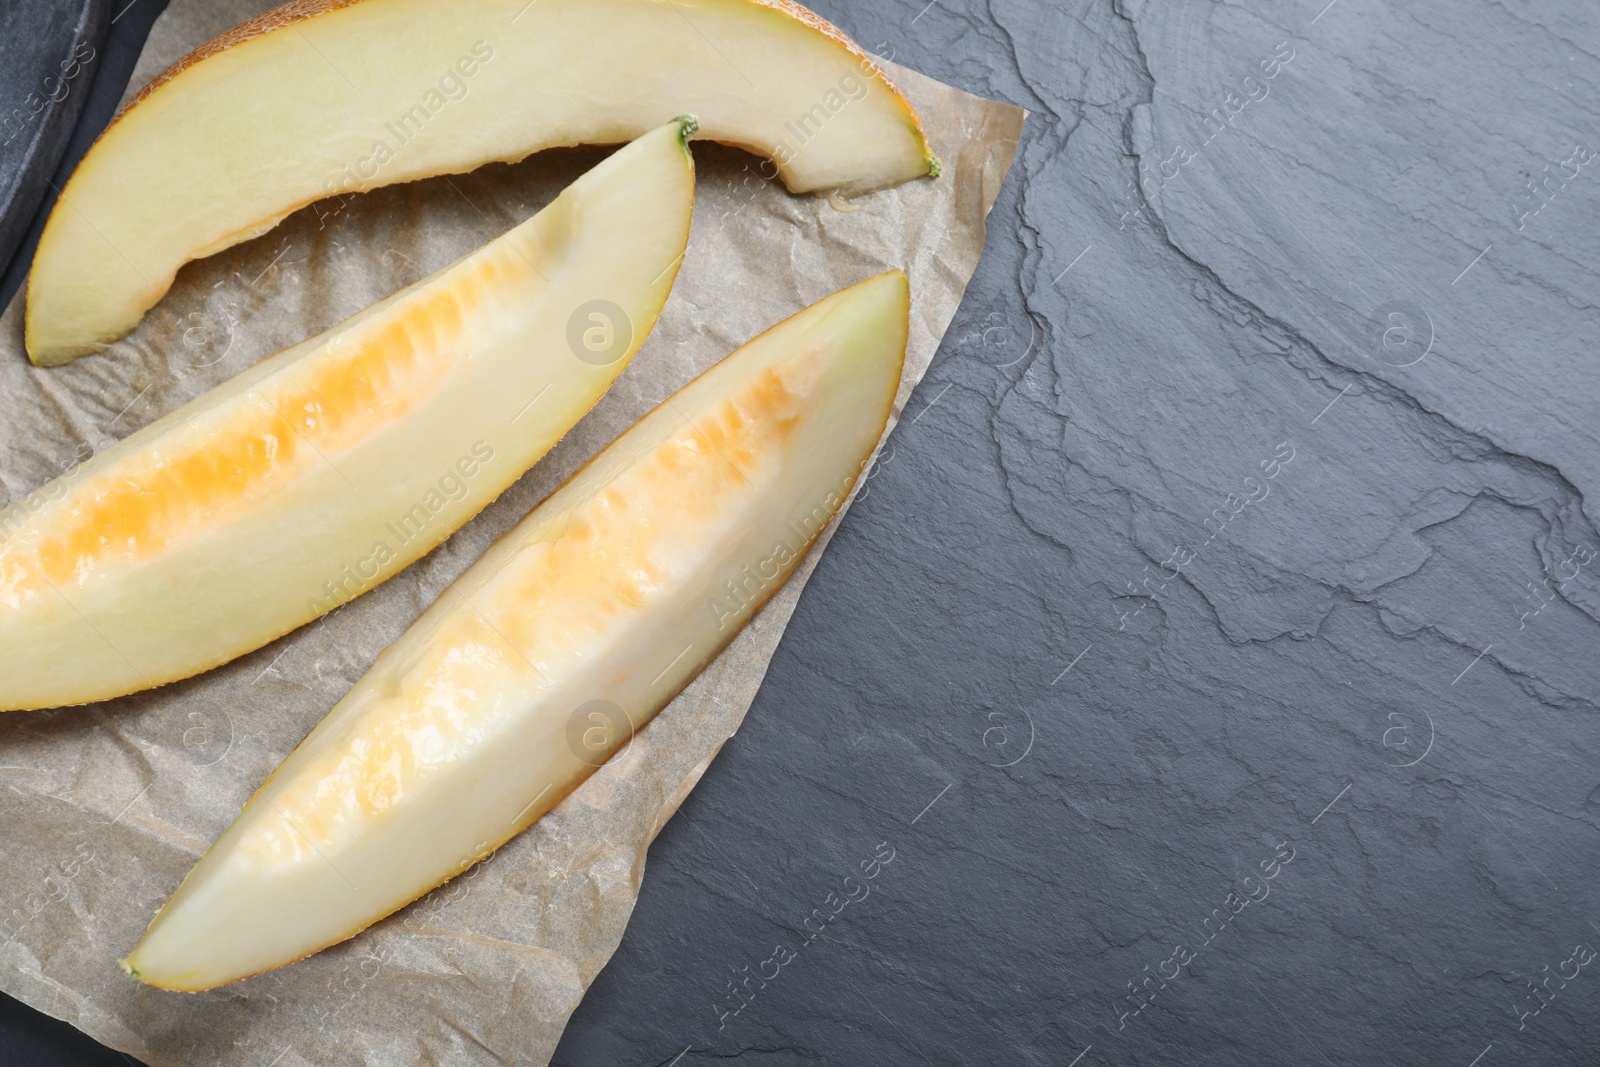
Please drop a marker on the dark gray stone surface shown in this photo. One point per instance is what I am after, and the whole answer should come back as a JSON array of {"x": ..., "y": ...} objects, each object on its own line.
[
  {"x": 1214, "y": 651},
  {"x": 123, "y": 41},
  {"x": 1345, "y": 663},
  {"x": 50, "y": 51}
]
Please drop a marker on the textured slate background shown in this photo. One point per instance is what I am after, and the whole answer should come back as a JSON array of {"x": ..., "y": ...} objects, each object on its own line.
[
  {"x": 96, "y": 89},
  {"x": 50, "y": 51},
  {"x": 1239, "y": 530}
]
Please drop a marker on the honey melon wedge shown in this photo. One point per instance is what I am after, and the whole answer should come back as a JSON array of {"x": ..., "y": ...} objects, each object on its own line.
[
  {"x": 548, "y": 653},
  {"x": 324, "y": 97},
  {"x": 327, "y": 468}
]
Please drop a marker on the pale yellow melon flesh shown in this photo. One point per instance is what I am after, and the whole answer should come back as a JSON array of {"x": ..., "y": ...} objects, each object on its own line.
[
  {"x": 549, "y": 652},
  {"x": 326, "y": 469},
  {"x": 324, "y": 98}
]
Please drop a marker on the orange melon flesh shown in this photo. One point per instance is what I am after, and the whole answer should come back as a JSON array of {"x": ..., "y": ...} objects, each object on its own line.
[
  {"x": 326, "y": 97},
  {"x": 548, "y": 653},
  {"x": 326, "y": 469}
]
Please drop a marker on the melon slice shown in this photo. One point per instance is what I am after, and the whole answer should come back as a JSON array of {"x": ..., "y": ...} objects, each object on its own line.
[
  {"x": 329, "y": 467},
  {"x": 544, "y": 658},
  {"x": 325, "y": 97}
]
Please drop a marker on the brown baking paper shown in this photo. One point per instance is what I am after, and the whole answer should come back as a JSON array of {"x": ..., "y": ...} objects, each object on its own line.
[{"x": 104, "y": 809}]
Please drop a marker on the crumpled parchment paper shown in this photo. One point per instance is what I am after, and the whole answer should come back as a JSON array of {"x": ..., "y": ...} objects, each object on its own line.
[{"x": 104, "y": 809}]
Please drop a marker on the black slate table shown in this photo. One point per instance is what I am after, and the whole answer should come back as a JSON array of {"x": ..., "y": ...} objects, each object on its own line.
[{"x": 1210, "y": 674}]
